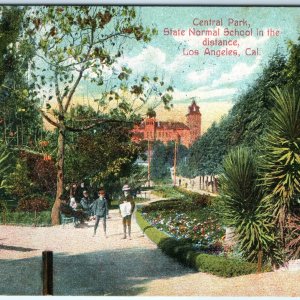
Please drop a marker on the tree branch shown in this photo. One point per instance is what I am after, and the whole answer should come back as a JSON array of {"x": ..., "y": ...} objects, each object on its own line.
[
  {"x": 57, "y": 93},
  {"x": 69, "y": 98},
  {"x": 99, "y": 121},
  {"x": 48, "y": 119}
]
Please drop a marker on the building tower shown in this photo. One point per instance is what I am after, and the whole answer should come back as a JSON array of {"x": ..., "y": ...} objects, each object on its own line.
[{"x": 193, "y": 121}]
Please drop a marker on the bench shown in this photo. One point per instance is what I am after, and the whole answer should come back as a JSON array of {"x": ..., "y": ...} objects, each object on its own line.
[{"x": 66, "y": 220}]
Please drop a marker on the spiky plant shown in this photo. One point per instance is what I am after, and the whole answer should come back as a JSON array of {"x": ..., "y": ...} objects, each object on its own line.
[
  {"x": 4, "y": 166},
  {"x": 280, "y": 159},
  {"x": 243, "y": 209}
]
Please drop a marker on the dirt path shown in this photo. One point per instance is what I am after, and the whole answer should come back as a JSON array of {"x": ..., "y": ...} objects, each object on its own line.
[{"x": 87, "y": 265}]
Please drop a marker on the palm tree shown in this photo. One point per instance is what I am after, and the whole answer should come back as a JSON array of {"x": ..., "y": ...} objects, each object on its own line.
[
  {"x": 243, "y": 208},
  {"x": 280, "y": 161}
]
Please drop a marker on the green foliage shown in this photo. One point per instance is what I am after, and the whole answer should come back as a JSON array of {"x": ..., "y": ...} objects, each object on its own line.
[
  {"x": 280, "y": 165},
  {"x": 292, "y": 69},
  {"x": 225, "y": 267},
  {"x": 26, "y": 218},
  {"x": 160, "y": 166},
  {"x": 23, "y": 182},
  {"x": 243, "y": 208},
  {"x": 138, "y": 176},
  {"x": 281, "y": 152},
  {"x": 166, "y": 192},
  {"x": 78, "y": 43},
  {"x": 20, "y": 185},
  {"x": 183, "y": 251},
  {"x": 4, "y": 167},
  {"x": 199, "y": 199},
  {"x": 163, "y": 159},
  {"x": 154, "y": 234},
  {"x": 244, "y": 124},
  {"x": 33, "y": 205},
  {"x": 102, "y": 156},
  {"x": 19, "y": 115}
]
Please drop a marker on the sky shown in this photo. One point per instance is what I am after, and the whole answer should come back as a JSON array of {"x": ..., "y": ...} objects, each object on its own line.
[{"x": 215, "y": 82}]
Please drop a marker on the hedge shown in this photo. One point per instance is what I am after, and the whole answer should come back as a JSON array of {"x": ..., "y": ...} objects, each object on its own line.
[
  {"x": 183, "y": 251},
  {"x": 166, "y": 192},
  {"x": 200, "y": 199}
]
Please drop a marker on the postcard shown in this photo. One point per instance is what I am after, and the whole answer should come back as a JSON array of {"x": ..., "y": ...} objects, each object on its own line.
[{"x": 149, "y": 150}]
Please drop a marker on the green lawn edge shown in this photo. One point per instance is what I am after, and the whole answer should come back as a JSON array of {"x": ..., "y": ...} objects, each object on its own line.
[{"x": 184, "y": 253}]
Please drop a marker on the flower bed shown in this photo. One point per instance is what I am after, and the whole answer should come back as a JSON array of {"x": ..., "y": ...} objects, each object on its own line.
[
  {"x": 182, "y": 219},
  {"x": 184, "y": 252}
]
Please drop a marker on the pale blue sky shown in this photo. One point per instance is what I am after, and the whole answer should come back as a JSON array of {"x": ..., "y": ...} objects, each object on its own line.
[{"x": 210, "y": 78}]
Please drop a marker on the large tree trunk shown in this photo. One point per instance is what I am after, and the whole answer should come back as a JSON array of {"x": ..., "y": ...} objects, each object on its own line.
[{"x": 55, "y": 214}]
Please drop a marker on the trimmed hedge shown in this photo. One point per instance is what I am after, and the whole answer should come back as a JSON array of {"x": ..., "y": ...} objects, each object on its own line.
[
  {"x": 182, "y": 250},
  {"x": 154, "y": 234}
]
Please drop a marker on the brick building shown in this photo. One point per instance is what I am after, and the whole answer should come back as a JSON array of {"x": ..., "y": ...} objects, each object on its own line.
[{"x": 152, "y": 129}]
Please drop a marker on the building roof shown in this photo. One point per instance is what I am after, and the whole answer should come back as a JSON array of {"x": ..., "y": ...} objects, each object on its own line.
[
  {"x": 163, "y": 125},
  {"x": 171, "y": 125}
]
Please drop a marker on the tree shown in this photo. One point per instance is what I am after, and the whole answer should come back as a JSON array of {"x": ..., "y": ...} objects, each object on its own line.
[
  {"x": 242, "y": 207},
  {"x": 96, "y": 155},
  {"x": 244, "y": 124},
  {"x": 280, "y": 157},
  {"x": 163, "y": 159},
  {"x": 160, "y": 167},
  {"x": 19, "y": 116},
  {"x": 82, "y": 44}
]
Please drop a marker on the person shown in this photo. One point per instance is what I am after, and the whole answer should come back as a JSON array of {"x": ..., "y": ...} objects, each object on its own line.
[
  {"x": 73, "y": 203},
  {"x": 79, "y": 191},
  {"x": 126, "y": 209},
  {"x": 68, "y": 211},
  {"x": 86, "y": 203},
  {"x": 100, "y": 211}
]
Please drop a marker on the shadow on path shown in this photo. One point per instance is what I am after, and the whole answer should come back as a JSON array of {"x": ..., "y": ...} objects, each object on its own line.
[
  {"x": 118, "y": 272},
  {"x": 16, "y": 248}
]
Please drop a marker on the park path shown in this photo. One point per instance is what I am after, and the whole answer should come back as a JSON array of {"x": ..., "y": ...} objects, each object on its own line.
[{"x": 87, "y": 265}]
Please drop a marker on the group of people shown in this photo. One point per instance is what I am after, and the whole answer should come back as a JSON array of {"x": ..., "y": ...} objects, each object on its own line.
[{"x": 98, "y": 209}]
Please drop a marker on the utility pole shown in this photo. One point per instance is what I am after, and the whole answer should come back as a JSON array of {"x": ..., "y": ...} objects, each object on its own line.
[
  {"x": 149, "y": 162},
  {"x": 175, "y": 161}
]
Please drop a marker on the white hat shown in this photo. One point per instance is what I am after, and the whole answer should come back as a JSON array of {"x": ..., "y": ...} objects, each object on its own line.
[{"x": 126, "y": 187}]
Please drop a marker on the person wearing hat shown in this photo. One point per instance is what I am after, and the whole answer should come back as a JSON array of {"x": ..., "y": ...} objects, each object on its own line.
[
  {"x": 126, "y": 210},
  {"x": 100, "y": 209},
  {"x": 86, "y": 203}
]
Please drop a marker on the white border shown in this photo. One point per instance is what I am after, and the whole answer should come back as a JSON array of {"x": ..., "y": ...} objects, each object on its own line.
[{"x": 156, "y": 2}]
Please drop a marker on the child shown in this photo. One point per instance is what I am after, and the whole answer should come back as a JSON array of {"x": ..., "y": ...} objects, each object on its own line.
[{"x": 126, "y": 210}]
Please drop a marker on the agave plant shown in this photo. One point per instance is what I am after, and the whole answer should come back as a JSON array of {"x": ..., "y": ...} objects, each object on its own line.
[
  {"x": 280, "y": 159},
  {"x": 4, "y": 166},
  {"x": 243, "y": 208}
]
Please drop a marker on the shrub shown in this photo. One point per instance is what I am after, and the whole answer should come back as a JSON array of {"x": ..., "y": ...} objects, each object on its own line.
[
  {"x": 167, "y": 192},
  {"x": 182, "y": 250},
  {"x": 201, "y": 200},
  {"x": 154, "y": 234},
  {"x": 19, "y": 184},
  {"x": 33, "y": 205},
  {"x": 26, "y": 218}
]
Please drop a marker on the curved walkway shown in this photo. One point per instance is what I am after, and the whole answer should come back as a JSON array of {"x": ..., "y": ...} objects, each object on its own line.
[{"x": 87, "y": 265}]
